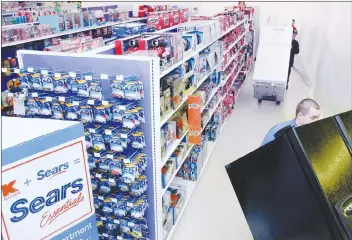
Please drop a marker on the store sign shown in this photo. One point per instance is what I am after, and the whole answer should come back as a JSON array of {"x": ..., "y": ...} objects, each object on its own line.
[{"x": 48, "y": 194}]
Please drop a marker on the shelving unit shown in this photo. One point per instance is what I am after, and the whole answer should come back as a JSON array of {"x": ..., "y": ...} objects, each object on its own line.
[
  {"x": 186, "y": 58},
  {"x": 82, "y": 29},
  {"x": 103, "y": 60}
]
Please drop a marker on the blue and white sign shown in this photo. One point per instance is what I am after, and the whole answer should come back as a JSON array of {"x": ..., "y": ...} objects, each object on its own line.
[{"x": 48, "y": 195}]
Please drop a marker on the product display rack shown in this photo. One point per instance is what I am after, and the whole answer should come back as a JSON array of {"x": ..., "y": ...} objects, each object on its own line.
[
  {"x": 67, "y": 32},
  {"x": 103, "y": 61}
]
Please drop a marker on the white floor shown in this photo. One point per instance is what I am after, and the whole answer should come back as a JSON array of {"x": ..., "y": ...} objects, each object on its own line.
[{"x": 214, "y": 211}]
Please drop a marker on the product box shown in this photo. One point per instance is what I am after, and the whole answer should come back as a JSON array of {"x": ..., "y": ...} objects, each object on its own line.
[
  {"x": 128, "y": 29},
  {"x": 189, "y": 43},
  {"x": 194, "y": 119},
  {"x": 45, "y": 171},
  {"x": 174, "y": 18},
  {"x": 126, "y": 45},
  {"x": 158, "y": 20},
  {"x": 168, "y": 46},
  {"x": 184, "y": 15}
]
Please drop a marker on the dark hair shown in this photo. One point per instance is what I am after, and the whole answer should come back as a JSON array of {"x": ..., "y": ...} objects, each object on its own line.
[{"x": 304, "y": 106}]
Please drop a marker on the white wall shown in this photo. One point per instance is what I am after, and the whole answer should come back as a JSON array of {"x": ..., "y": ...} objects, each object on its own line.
[{"x": 324, "y": 34}]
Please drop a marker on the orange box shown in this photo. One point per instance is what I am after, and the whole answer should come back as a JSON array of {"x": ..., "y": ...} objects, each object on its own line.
[{"x": 194, "y": 119}]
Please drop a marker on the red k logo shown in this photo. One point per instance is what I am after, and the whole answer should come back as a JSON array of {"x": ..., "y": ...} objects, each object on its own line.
[{"x": 8, "y": 188}]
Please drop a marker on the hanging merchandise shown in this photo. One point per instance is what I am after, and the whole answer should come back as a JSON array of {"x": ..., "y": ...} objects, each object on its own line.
[
  {"x": 114, "y": 144},
  {"x": 150, "y": 124}
]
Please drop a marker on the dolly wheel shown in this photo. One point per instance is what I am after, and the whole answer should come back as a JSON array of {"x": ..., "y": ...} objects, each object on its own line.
[
  {"x": 278, "y": 102},
  {"x": 259, "y": 100}
]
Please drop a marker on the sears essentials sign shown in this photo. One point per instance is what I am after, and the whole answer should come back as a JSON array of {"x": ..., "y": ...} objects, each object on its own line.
[{"x": 48, "y": 194}]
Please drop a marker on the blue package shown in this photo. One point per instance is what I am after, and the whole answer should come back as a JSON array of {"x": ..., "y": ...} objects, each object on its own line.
[
  {"x": 25, "y": 80},
  {"x": 98, "y": 141},
  {"x": 118, "y": 89},
  {"x": 116, "y": 167},
  {"x": 36, "y": 81},
  {"x": 57, "y": 110},
  {"x": 133, "y": 90},
  {"x": 86, "y": 114},
  {"x": 115, "y": 144},
  {"x": 47, "y": 82},
  {"x": 117, "y": 114},
  {"x": 32, "y": 106},
  {"x": 71, "y": 111},
  {"x": 102, "y": 113},
  {"x": 60, "y": 84},
  {"x": 82, "y": 88},
  {"x": 92, "y": 162},
  {"x": 95, "y": 90},
  {"x": 104, "y": 164},
  {"x": 88, "y": 139},
  {"x": 105, "y": 187},
  {"x": 44, "y": 106}
]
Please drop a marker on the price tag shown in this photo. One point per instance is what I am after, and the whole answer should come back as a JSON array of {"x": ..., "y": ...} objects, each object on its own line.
[
  {"x": 130, "y": 224},
  {"x": 91, "y": 101},
  {"x": 96, "y": 154},
  {"x": 91, "y": 130},
  {"x": 111, "y": 156},
  {"x": 122, "y": 107},
  {"x": 103, "y": 218},
  {"x": 45, "y": 72},
  {"x": 10, "y": 94},
  {"x": 126, "y": 160},
  {"x": 118, "y": 237},
  {"x": 119, "y": 77},
  {"x": 75, "y": 103},
  {"x": 105, "y": 103},
  {"x": 3, "y": 69},
  {"x": 72, "y": 74},
  {"x": 57, "y": 75},
  {"x": 104, "y": 234},
  {"x": 116, "y": 221},
  {"x": 49, "y": 99},
  {"x": 98, "y": 175},
  {"x": 30, "y": 69},
  {"x": 61, "y": 99},
  {"x": 18, "y": 106},
  {"x": 108, "y": 132},
  {"x": 16, "y": 70},
  {"x": 124, "y": 135},
  {"x": 35, "y": 94},
  {"x": 100, "y": 197},
  {"x": 88, "y": 77},
  {"x": 112, "y": 181},
  {"x": 104, "y": 76}
]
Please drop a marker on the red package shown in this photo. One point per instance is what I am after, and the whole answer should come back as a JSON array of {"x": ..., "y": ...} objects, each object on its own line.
[
  {"x": 184, "y": 15},
  {"x": 158, "y": 20},
  {"x": 174, "y": 18}
]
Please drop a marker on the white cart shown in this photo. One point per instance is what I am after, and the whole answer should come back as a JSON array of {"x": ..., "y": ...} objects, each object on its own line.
[{"x": 271, "y": 68}]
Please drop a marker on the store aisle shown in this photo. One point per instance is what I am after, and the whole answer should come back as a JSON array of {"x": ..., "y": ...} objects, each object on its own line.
[{"x": 214, "y": 211}]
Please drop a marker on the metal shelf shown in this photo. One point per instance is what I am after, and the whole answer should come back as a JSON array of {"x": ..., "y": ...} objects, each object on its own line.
[
  {"x": 69, "y": 32},
  {"x": 189, "y": 56}
]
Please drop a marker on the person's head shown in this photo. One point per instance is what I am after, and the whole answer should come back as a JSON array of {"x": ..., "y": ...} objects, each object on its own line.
[
  {"x": 307, "y": 111},
  {"x": 293, "y": 22},
  {"x": 294, "y": 34}
]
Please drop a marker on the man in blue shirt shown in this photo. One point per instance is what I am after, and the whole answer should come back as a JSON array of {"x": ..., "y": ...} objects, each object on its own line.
[{"x": 307, "y": 111}]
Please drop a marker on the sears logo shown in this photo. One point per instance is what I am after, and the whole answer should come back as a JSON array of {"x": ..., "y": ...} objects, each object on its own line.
[
  {"x": 50, "y": 173},
  {"x": 22, "y": 207}
]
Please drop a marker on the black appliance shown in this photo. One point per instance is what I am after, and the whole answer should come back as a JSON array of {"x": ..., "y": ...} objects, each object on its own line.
[{"x": 300, "y": 185}]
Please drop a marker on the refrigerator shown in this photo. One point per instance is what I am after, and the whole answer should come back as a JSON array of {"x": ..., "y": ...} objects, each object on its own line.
[{"x": 300, "y": 185}]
